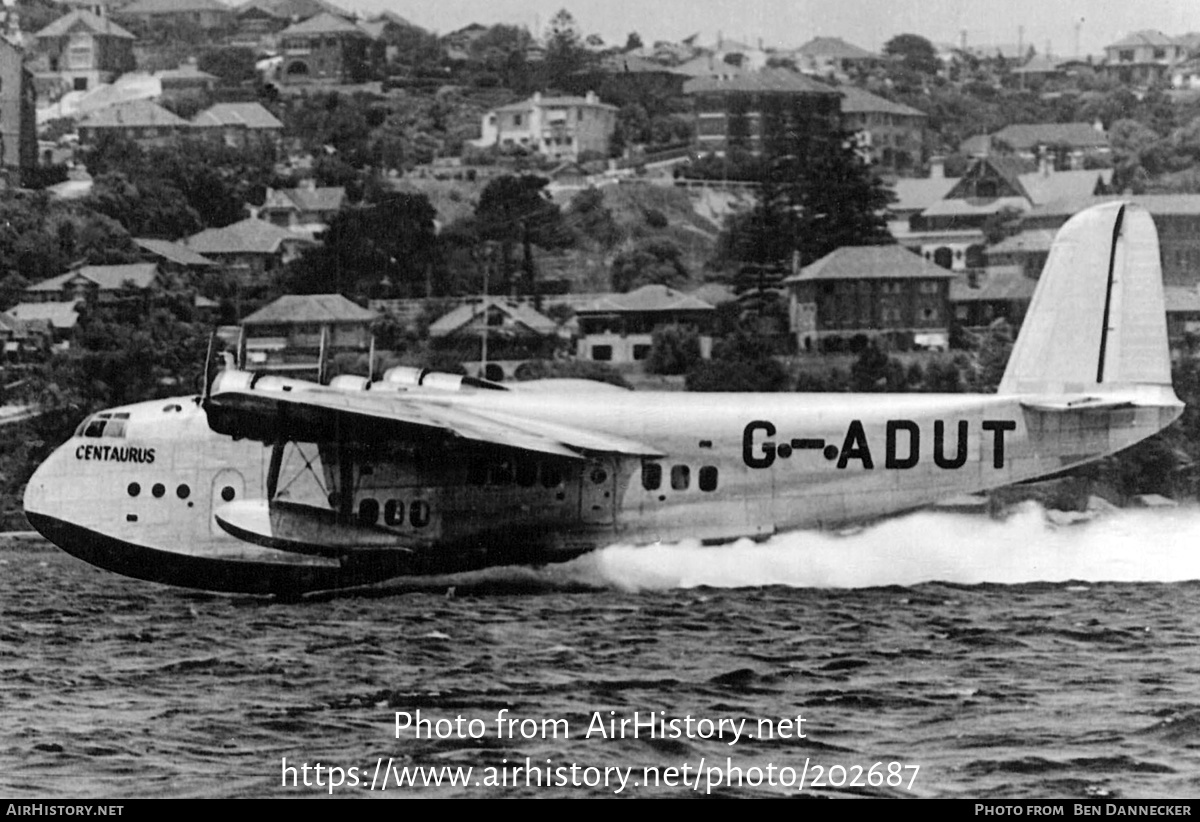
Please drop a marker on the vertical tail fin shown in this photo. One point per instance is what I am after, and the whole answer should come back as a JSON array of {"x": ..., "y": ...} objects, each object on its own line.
[{"x": 1097, "y": 320}]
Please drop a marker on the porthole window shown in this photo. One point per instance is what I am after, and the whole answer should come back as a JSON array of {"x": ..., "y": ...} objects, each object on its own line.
[
  {"x": 368, "y": 511},
  {"x": 393, "y": 512},
  {"x": 227, "y": 493},
  {"x": 158, "y": 490},
  {"x": 134, "y": 489},
  {"x": 651, "y": 476},
  {"x": 418, "y": 513},
  {"x": 183, "y": 492},
  {"x": 681, "y": 477},
  {"x": 599, "y": 476},
  {"x": 708, "y": 478}
]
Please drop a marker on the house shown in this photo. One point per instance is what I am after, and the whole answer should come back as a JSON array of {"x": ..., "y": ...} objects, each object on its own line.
[
  {"x": 290, "y": 332},
  {"x": 308, "y": 208},
  {"x": 507, "y": 332},
  {"x": 18, "y": 115},
  {"x": 253, "y": 249},
  {"x": 1067, "y": 144},
  {"x": 1176, "y": 216},
  {"x": 179, "y": 16},
  {"x": 995, "y": 188},
  {"x": 1143, "y": 58},
  {"x": 144, "y": 122},
  {"x": 96, "y": 284},
  {"x": 998, "y": 292},
  {"x": 323, "y": 49},
  {"x": 729, "y": 109},
  {"x": 84, "y": 49},
  {"x": 832, "y": 57},
  {"x": 890, "y": 136},
  {"x": 174, "y": 258},
  {"x": 55, "y": 321},
  {"x": 1027, "y": 251},
  {"x": 870, "y": 291},
  {"x": 239, "y": 125},
  {"x": 258, "y": 18},
  {"x": 559, "y": 127},
  {"x": 187, "y": 79},
  {"x": 619, "y": 328}
]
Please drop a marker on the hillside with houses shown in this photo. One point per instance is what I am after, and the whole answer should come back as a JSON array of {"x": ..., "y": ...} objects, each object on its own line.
[{"x": 330, "y": 193}]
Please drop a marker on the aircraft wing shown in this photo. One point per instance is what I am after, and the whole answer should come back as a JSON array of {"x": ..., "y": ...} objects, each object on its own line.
[{"x": 319, "y": 414}]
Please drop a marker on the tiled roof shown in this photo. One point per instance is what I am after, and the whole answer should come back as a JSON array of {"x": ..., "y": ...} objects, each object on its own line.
[
  {"x": 310, "y": 308},
  {"x": 92, "y": 22},
  {"x": 768, "y": 80},
  {"x": 173, "y": 252},
  {"x": 1038, "y": 239},
  {"x": 918, "y": 194},
  {"x": 646, "y": 298},
  {"x": 1145, "y": 37},
  {"x": 975, "y": 208},
  {"x": 113, "y": 277},
  {"x": 835, "y": 48},
  {"x": 173, "y": 7},
  {"x": 633, "y": 64},
  {"x": 323, "y": 23},
  {"x": 1064, "y": 185},
  {"x": 250, "y": 115},
  {"x": 292, "y": 9},
  {"x": 134, "y": 114},
  {"x": 466, "y": 313},
  {"x": 107, "y": 277},
  {"x": 552, "y": 102},
  {"x": 250, "y": 236},
  {"x": 327, "y": 198},
  {"x": 1164, "y": 204},
  {"x": 856, "y": 100},
  {"x": 59, "y": 315},
  {"x": 870, "y": 262},
  {"x": 1027, "y": 136}
]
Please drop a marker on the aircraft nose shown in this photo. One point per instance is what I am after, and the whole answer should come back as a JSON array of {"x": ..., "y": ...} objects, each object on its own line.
[{"x": 37, "y": 498}]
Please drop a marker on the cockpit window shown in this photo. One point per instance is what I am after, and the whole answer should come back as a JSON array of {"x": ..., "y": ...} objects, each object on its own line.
[{"x": 105, "y": 424}]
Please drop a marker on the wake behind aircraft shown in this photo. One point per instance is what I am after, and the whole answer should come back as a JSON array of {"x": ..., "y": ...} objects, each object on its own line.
[{"x": 274, "y": 485}]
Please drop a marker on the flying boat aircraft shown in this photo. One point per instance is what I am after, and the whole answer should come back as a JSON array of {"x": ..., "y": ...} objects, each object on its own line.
[{"x": 272, "y": 485}]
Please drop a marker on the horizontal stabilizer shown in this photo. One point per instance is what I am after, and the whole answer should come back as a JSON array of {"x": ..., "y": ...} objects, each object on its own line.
[{"x": 1057, "y": 403}]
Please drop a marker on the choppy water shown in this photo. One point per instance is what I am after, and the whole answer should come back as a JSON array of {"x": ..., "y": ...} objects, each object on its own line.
[{"x": 1005, "y": 659}]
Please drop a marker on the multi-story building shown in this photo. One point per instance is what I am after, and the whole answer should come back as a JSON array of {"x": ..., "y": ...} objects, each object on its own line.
[
  {"x": 619, "y": 328},
  {"x": 239, "y": 125},
  {"x": 950, "y": 231},
  {"x": 323, "y": 49},
  {"x": 890, "y": 136},
  {"x": 872, "y": 291},
  {"x": 1143, "y": 58},
  {"x": 84, "y": 49},
  {"x": 730, "y": 108},
  {"x": 18, "y": 114},
  {"x": 178, "y": 15},
  {"x": 290, "y": 333},
  {"x": 1067, "y": 145},
  {"x": 560, "y": 127},
  {"x": 144, "y": 122}
]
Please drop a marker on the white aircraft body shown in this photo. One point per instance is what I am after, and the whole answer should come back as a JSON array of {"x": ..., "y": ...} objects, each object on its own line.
[{"x": 269, "y": 484}]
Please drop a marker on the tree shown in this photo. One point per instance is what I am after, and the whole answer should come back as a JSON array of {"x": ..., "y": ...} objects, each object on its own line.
[
  {"x": 233, "y": 65},
  {"x": 674, "y": 349},
  {"x": 914, "y": 51},
  {"x": 387, "y": 247},
  {"x": 565, "y": 54},
  {"x": 649, "y": 262},
  {"x": 633, "y": 41},
  {"x": 515, "y": 209}
]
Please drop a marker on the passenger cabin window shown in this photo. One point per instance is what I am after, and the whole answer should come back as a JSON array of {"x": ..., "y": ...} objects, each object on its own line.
[
  {"x": 681, "y": 477},
  {"x": 708, "y": 478},
  {"x": 651, "y": 476}
]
